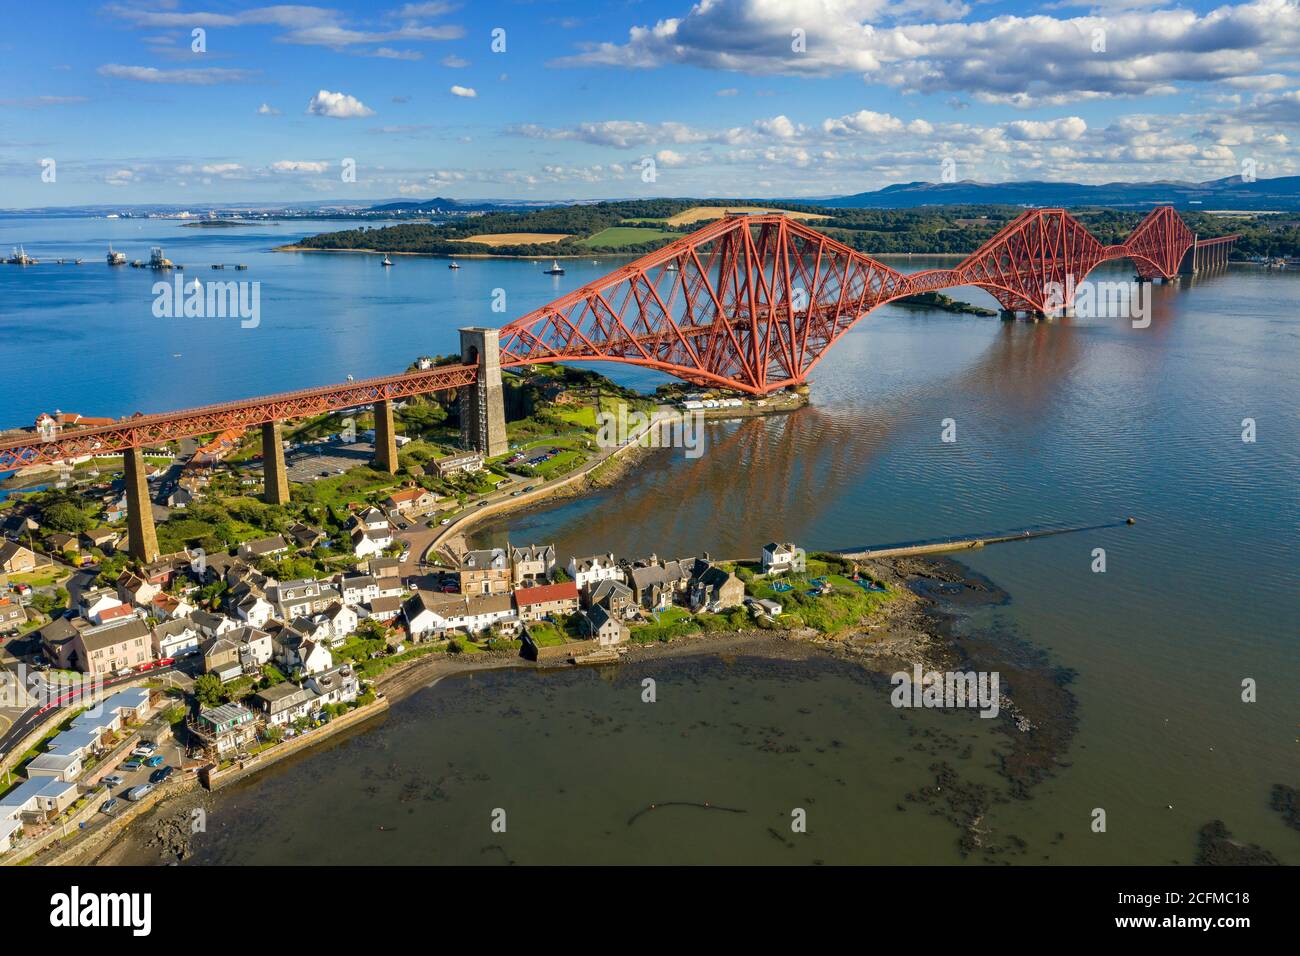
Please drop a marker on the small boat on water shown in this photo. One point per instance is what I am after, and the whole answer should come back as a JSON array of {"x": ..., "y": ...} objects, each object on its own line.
[
  {"x": 387, "y": 261},
  {"x": 116, "y": 258},
  {"x": 77, "y": 262},
  {"x": 671, "y": 267},
  {"x": 219, "y": 265},
  {"x": 242, "y": 267},
  {"x": 555, "y": 269},
  {"x": 453, "y": 264},
  {"x": 21, "y": 258}
]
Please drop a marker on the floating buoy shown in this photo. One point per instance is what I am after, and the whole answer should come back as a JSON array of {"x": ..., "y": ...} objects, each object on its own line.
[{"x": 1130, "y": 520}]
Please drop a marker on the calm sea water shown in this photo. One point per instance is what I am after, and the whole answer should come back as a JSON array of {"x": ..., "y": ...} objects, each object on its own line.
[{"x": 1076, "y": 421}]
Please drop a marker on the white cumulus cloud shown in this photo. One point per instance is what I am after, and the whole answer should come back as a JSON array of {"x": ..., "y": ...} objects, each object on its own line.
[
  {"x": 338, "y": 105},
  {"x": 299, "y": 166}
]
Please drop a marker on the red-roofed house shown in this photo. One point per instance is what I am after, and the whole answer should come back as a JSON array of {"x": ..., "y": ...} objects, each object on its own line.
[
  {"x": 411, "y": 501},
  {"x": 115, "y": 613},
  {"x": 547, "y": 600}
]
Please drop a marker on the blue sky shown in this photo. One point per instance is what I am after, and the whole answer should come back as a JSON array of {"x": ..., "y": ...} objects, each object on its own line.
[{"x": 726, "y": 97}]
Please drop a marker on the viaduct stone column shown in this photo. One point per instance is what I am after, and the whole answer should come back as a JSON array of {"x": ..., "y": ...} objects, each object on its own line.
[
  {"x": 482, "y": 407},
  {"x": 275, "y": 480},
  {"x": 385, "y": 437},
  {"x": 142, "y": 538}
]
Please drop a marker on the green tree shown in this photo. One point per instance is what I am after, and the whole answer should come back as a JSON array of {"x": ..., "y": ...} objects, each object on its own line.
[
  {"x": 208, "y": 690},
  {"x": 66, "y": 517}
]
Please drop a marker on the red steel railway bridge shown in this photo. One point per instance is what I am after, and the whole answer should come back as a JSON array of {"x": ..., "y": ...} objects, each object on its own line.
[{"x": 749, "y": 302}]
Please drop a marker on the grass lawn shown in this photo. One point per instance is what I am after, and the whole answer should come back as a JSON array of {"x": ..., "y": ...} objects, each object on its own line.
[
  {"x": 41, "y": 579},
  {"x": 545, "y": 634},
  {"x": 617, "y": 236},
  {"x": 828, "y": 613},
  {"x": 669, "y": 623},
  {"x": 356, "y": 484}
]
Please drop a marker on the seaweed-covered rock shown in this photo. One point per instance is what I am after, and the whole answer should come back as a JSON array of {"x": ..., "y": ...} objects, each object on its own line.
[{"x": 1218, "y": 848}]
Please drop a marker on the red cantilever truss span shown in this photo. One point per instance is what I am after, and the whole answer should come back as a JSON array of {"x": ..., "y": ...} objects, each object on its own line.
[
  {"x": 748, "y": 302},
  {"x": 754, "y": 302}
]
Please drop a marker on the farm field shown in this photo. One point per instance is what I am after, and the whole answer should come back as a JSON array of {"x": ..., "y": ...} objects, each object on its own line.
[
  {"x": 702, "y": 213},
  {"x": 514, "y": 238},
  {"x": 616, "y": 236}
]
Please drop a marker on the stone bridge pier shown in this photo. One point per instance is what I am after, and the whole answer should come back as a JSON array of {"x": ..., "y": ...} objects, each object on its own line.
[{"x": 482, "y": 405}]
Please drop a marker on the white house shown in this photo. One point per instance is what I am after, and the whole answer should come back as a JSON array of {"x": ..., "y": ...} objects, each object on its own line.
[
  {"x": 284, "y": 703},
  {"x": 372, "y": 519},
  {"x": 255, "y": 610},
  {"x": 314, "y": 658},
  {"x": 428, "y": 613},
  {"x": 589, "y": 571},
  {"x": 342, "y": 621},
  {"x": 383, "y": 608},
  {"x": 303, "y": 598},
  {"x": 339, "y": 685},
  {"x": 95, "y": 602},
  {"x": 178, "y": 637},
  {"x": 213, "y": 625},
  {"x": 781, "y": 557},
  {"x": 255, "y": 648},
  {"x": 358, "y": 588},
  {"x": 369, "y": 542},
  {"x": 432, "y": 613}
]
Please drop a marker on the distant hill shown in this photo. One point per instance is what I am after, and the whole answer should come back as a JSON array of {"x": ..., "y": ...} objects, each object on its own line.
[
  {"x": 445, "y": 205},
  {"x": 1229, "y": 193}
]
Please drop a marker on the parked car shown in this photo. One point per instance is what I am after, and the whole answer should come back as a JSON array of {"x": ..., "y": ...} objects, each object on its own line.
[
  {"x": 113, "y": 780},
  {"x": 109, "y": 805},
  {"x": 137, "y": 793},
  {"x": 133, "y": 764},
  {"x": 445, "y": 521},
  {"x": 530, "y": 488},
  {"x": 145, "y": 749},
  {"x": 161, "y": 774},
  {"x": 154, "y": 761}
]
